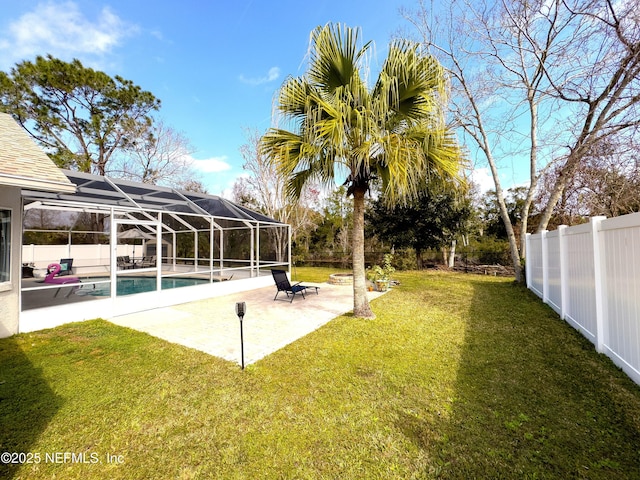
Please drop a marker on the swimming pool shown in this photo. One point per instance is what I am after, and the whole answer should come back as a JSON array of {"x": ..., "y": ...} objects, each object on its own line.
[{"x": 129, "y": 285}]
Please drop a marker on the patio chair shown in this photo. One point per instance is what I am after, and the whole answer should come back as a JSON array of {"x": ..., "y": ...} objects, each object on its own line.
[
  {"x": 124, "y": 263},
  {"x": 147, "y": 262},
  {"x": 66, "y": 266},
  {"x": 283, "y": 285}
]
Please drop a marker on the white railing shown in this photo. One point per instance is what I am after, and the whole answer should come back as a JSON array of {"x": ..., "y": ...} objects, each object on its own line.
[{"x": 590, "y": 275}]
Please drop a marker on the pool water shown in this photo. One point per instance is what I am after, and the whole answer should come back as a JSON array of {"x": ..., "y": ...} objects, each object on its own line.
[{"x": 130, "y": 285}]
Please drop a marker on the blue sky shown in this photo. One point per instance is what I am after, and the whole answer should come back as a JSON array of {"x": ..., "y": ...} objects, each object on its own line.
[{"x": 215, "y": 65}]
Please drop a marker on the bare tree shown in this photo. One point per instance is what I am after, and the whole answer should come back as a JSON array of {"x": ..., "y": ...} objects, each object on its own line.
[
  {"x": 600, "y": 87},
  {"x": 535, "y": 80},
  {"x": 462, "y": 39},
  {"x": 263, "y": 189},
  {"x": 158, "y": 155},
  {"x": 607, "y": 183}
]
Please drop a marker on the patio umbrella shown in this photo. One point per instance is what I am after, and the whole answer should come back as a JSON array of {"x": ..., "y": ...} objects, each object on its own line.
[{"x": 134, "y": 233}]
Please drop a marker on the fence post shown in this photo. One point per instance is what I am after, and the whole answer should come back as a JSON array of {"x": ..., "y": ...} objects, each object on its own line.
[
  {"x": 527, "y": 263},
  {"x": 599, "y": 283},
  {"x": 545, "y": 266},
  {"x": 564, "y": 261}
]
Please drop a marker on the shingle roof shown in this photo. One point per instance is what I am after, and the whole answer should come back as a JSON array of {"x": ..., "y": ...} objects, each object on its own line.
[{"x": 24, "y": 164}]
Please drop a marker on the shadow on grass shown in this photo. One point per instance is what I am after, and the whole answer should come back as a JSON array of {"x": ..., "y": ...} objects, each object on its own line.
[
  {"x": 532, "y": 399},
  {"x": 27, "y": 404}
]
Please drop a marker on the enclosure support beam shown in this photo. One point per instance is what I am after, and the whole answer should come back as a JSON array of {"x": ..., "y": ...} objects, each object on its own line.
[
  {"x": 159, "y": 252},
  {"x": 195, "y": 248},
  {"x": 258, "y": 249},
  {"x": 251, "y": 255},
  {"x": 221, "y": 251},
  {"x": 174, "y": 245},
  {"x": 289, "y": 246},
  {"x": 211, "y": 249},
  {"x": 113, "y": 265}
]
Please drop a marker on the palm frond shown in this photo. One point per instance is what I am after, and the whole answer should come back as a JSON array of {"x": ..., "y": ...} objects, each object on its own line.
[
  {"x": 394, "y": 132},
  {"x": 293, "y": 96},
  {"x": 335, "y": 56},
  {"x": 411, "y": 83}
]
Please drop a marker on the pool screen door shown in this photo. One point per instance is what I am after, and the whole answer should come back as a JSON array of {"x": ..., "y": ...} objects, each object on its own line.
[{"x": 133, "y": 269}]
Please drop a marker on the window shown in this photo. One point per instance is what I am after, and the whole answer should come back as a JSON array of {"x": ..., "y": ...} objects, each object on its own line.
[{"x": 5, "y": 245}]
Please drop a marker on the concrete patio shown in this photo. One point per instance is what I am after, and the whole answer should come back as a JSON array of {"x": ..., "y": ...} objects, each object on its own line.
[{"x": 212, "y": 326}]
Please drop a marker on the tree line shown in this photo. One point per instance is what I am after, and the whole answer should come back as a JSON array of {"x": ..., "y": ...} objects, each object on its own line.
[{"x": 444, "y": 223}]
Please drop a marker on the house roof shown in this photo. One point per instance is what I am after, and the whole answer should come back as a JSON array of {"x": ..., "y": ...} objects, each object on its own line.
[
  {"x": 24, "y": 164},
  {"x": 105, "y": 191}
]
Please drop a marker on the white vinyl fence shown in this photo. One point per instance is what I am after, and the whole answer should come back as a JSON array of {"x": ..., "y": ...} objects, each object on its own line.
[
  {"x": 92, "y": 256},
  {"x": 590, "y": 275}
]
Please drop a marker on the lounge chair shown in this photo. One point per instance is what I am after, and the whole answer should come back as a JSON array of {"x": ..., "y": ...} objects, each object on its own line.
[{"x": 283, "y": 285}]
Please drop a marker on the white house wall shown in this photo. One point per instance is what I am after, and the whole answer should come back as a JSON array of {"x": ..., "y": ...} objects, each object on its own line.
[{"x": 10, "y": 293}]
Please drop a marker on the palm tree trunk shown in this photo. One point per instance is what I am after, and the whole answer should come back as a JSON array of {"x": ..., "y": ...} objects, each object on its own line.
[{"x": 361, "y": 308}]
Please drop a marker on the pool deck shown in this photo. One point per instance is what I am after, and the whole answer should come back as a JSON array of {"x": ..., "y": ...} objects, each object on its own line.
[{"x": 212, "y": 326}]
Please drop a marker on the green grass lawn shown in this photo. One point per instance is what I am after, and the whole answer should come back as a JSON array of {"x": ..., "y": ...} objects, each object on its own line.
[{"x": 459, "y": 376}]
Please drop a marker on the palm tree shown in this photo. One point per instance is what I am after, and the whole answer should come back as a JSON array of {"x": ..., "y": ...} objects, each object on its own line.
[{"x": 394, "y": 132}]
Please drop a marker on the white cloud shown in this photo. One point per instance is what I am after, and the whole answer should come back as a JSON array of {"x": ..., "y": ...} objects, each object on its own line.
[
  {"x": 227, "y": 193},
  {"x": 483, "y": 178},
  {"x": 211, "y": 165},
  {"x": 272, "y": 74},
  {"x": 158, "y": 34},
  {"x": 61, "y": 29}
]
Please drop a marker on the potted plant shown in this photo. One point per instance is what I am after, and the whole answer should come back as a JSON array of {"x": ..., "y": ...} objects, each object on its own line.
[{"x": 383, "y": 273}]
